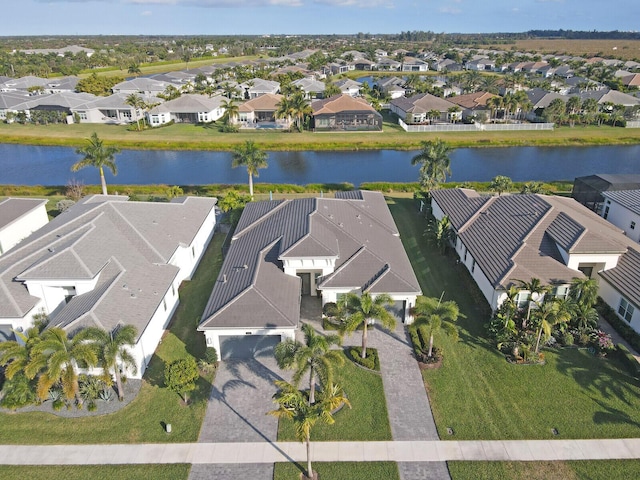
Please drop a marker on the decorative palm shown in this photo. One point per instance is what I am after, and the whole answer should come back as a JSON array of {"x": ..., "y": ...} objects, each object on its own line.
[
  {"x": 98, "y": 155},
  {"x": 135, "y": 102},
  {"x": 584, "y": 291},
  {"x": 314, "y": 356},
  {"x": 439, "y": 232},
  {"x": 547, "y": 315},
  {"x": 55, "y": 358},
  {"x": 364, "y": 309},
  {"x": 294, "y": 405},
  {"x": 250, "y": 156},
  {"x": 113, "y": 351},
  {"x": 300, "y": 107},
  {"x": 434, "y": 161},
  {"x": 534, "y": 286},
  {"x": 230, "y": 111},
  {"x": 585, "y": 316},
  {"x": 437, "y": 316},
  {"x": 14, "y": 356}
]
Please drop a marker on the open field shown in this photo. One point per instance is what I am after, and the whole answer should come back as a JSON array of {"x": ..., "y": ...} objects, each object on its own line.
[
  {"x": 624, "y": 49},
  {"x": 340, "y": 470},
  {"x": 197, "y": 137}
]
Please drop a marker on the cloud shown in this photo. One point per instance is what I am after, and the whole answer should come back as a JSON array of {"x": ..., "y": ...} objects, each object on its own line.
[
  {"x": 450, "y": 10},
  {"x": 146, "y": 13}
]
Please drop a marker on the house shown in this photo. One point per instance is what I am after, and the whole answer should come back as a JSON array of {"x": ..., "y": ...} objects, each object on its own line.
[
  {"x": 474, "y": 105},
  {"x": 446, "y": 65},
  {"x": 343, "y": 112},
  {"x": 106, "y": 262},
  {"x": 113, "y": 109},
  {"x": 258, "y": 86},
  {"x": 388, "y": 64},
  {"x": 418, "y": 108},
  {"x": 614, "y": 97},
  {"x": 349, "y": 87},
  {"x": 143, "y": 86},
  {"x": 63, "y": 103},
  {"x": 24, "y": 83},
  {"x": 189, "y": 108},
  {"x": 392, "y": 86},
  {"x": 19, "y": 218},
  {"x": 364, "y": 64},
  {"x": 619, "y": 288},
  {"x": 503, "y": 239},
  {"x": 413, "y": 64},
  {"x": 282, "y": 250},
  {"x": 589, "y": 190},
  {"x": 622, "y": 208},
  {"x": 260, "y": 109},
  {"x": 311, "y": 87}
]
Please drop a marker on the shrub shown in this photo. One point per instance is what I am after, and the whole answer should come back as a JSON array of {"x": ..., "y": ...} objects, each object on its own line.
[
  {"x": 57, "y": 404},
  {"x": 180, "y": 376},
  {"x": 64, "y": 205},
  {"x": 371, "y": 361},
  {"x": 18, "y": 392},
  {"x": 211, "y": 355},
  {"x": 567, "y": 339},
  {"x": 106, "y": 395},
  {"x": 622, "y": 327}
]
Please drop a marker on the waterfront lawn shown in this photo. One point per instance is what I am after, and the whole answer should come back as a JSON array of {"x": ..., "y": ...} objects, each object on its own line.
[
  {"x": 144, "y": 418},
  {"x": 570, "y": 470},
  {"x": 82, "y": 472},
  {"x": 207, "y": 137},
  {"x": 480, "y": 395},
  {"x": 366, "y": 419},
  {"x": 346, "y": 470}
]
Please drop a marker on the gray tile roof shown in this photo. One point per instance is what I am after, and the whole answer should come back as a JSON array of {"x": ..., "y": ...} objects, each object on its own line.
[
  {"x": 252, "y": 289},
  {"x": 625, "y": 277},
  {"x": 517, "y": 236},
  {"x": 189, "y": 103},
  {"x": 629, "y": 199},
  {"x": 422, "y": 103},
  {"x": 104, "y": 239},
  {"x": 11, "y": 209}
]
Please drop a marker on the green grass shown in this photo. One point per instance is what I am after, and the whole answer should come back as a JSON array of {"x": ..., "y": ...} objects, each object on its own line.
[
  {"x": 481, "y": 396},
  {"x": 341, "y": 470},
  {"x": 143, "y": 419},
  {"x": 82, "y": 472},
  {"x": 198, "y": 137},
  {"x": 366, "y": 420},
  {"x": 571, "y": 470}
]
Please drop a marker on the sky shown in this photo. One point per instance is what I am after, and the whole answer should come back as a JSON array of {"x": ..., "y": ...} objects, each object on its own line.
[{"x": 228, "y": 17}]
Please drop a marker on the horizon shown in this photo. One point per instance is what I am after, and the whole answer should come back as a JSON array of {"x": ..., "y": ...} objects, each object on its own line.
[{"x": 321, "y": 17}]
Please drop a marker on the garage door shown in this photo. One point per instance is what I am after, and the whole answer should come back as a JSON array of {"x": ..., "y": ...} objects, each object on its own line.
[
  {"x": 247, "y": 346},
  {"x": 397, "y": 310}
]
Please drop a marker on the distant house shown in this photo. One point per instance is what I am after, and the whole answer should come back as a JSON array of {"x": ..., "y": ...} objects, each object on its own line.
[
  {"x": 143, "y": 86},
  {"x": 343, "y": 112},
  {"x": 413, "y": 64},
  {"x": 622, "y": 208},
  {"x": 349, "y": 87},
  {"x": 258, "y": 86},
  {"x": 61, "y": 52},
  {"x": 503, "y": 239},
  {"x": 107, "y": 262},
  {"x": 260, "y": 109},
  {"x": 474, "y": 104},
  {"x": 113, "y": 109},
  {"x": 287, "y": 249},
  {"x": 19, "y": 218},
  {"x": 388, "y": 64},
  {"x": 589, "y": 190},
  {"x": 63, "y": 103},
  {"x": 311, "y": 87},
  {"x": 190, "y": 108},
  {"x": 417, "y": 108}
]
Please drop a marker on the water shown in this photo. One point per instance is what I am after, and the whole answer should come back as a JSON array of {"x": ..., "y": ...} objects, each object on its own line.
[{"x": 37, "y": 165}]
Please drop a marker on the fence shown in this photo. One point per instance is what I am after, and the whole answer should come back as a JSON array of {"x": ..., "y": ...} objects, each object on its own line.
[
  {"x": 475, "y": 127},
  {"x": 633, "y": 124}
]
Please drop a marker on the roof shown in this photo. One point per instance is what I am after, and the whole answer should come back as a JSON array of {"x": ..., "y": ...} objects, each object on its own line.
[
  {"x": 340, "y": 103},
  {"x": 124, "y": 247},
  {"x": 473, "y": 100},
  {"x": 625, "y": 276},
  {"x": 12, "y": 209},
  {"x": 629, "y": 199},
  {"x": 422, "y": 103},
  {"x": 265, "y": 102},
  {"x": 520, "y": 236},
  {"x": 355, "y": 229},
  {"x": 189, "y": 103}
]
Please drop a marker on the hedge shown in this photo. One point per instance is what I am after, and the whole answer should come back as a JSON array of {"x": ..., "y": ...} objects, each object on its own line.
[
  {"x": 371, "y": 361},
  {"x": 620, "y": 326}
]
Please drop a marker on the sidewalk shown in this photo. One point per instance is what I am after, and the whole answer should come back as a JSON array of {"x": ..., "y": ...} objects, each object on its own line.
[{"x": 266, "y": 452}]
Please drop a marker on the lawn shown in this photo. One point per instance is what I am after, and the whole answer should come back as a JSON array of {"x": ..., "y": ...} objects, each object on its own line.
[
  {"x": 481, "y": 396},
  {"x": 81, "y": 472},
  {"x": 341, "y": 470},
  {"x": 366, "y": 420},
  {"x": 143, "y": 419}
]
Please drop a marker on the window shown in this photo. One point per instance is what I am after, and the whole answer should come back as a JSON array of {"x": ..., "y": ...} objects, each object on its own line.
[
  {"x": 561, "y": 291},
  {"x": 632, "y": 226},
  {"x": 83, "y": 115},
  {"x": 164, "y": 305},
  {"x": 606, "y": 213},
  {"x": 473, "y": 266},
  {"x": 522, "y": 298},
  {"x": 625, "y": 310}
]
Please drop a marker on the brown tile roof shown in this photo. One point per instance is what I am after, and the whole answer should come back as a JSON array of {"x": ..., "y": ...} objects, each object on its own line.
[
  {"x": 340, "y": 103},
  {"x": 267, "y": 102},
  {"x": 472, "y": 100}
]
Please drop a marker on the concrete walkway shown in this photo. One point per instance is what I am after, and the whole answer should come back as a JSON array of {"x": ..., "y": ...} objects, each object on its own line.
[{"x": 268, "y": 452}]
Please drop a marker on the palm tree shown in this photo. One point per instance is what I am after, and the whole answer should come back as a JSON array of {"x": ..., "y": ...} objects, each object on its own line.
[
  {"x": 534, "y": 286},
  {"x": 547, "y": 315},
  {"x": 98, "y": 155},
  {"x": 114, "y": 353},
  {"x": 584, "y": 291},
  {"x": 453, "y": 113},
  {"x": 55, "y": 358},
  {"x": 585, "y": 316},
  {"x": 440, "y": 232},
  {"x": 434, "y": 161},
  {"x": 14, "y": 356},
  {"x": 285, "y": 108},
  {"x": 294, "y": 405},
  {"x": 363, "y": 309},
  {"x": 314, "y": 356},
  {"x": 231, "y": 110},
  {"x": 437, "y": 316},
  {"x": 134, "y": 69},
  {"x": 135, "y": 102},
  {"x": 250, "y": 156},
  {"x": 299, "y": 108},
  {"x": 501, "y": 184}
]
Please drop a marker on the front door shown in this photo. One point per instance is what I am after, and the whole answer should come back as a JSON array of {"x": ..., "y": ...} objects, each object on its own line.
[{"x": 306, "y": 283}]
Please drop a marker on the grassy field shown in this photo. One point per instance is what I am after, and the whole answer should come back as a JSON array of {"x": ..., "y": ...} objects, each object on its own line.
[
  {"x": 342, "y": 470},
  {"x": 81, "y": 472},
  {"x": 366, "y": 420},
  {"x": 197, "y": 137},
  {"x": 623, "y": 49},
  {"x": 481, "y": 396},
  {"x": 143, "y": 419}
]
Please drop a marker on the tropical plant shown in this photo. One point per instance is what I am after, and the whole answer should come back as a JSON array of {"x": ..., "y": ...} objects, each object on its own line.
[
  {"x": 180, "y": 376},
  {"x": 440, "y": 232},
  {"x": 230, "y": 111},
  {"x": 174, "y": 192},
  {"x": 14, "y": 356},
  {"x": 294, "y": 405},
  {"x": 251, "y": 157},
  {"x": 501, "y": 184},
  {"x": 17, "y": 392},
  {"x": 314, "y": 356},
  {"x": 55, "y": 358},
  {"x": 532, "y": 187},
  {"x": 97, "y": 155},
  {"x": 434, "y": 161},
  {"x": 114, "y": 353},
  {"x": 548, "y": 314},
  {"x": 533, "y": 287},
  {"x": 585, "y": 317},
  {"x": 135, "y": 102},
  {"x": 584, "y": 291},
  {"x": 436, "y": 316},
  {"x": 365, "y": 309}
]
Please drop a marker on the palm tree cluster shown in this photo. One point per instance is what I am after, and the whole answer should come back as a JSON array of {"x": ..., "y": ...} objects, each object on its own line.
[
  {"x": 294, "y": 106},
  {"x": 432, "y": 317},
  {"x": 49, "y": 358},
  {"x": 521, "y": 326}
]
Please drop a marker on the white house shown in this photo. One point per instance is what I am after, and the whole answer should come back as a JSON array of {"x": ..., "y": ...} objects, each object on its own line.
[
  {"x": 622, "y": 208},
  {"x": 189, "y": 108},
  {"x": 107, "y": 262},
  {"x": 323, "y": 247},
  {"x": 19, "y": 218}
]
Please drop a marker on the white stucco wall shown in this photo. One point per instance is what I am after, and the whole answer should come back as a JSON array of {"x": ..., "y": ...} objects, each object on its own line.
[
  {"x": 604, "y": 262},
  {"x": 212, "y": 336},
  {"x": 622, "y": 218},
  {"x": 187, "y": 257},
  {"x": 21, "y": 228},
  {"x": 612, "y": 298}
]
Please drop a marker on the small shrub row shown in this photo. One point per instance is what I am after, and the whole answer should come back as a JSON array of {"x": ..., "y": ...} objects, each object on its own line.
[
  {"x": 371, "y": 361},
  {"x": 388, "y": 187},
  {"x": 622, "y": 327}
]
